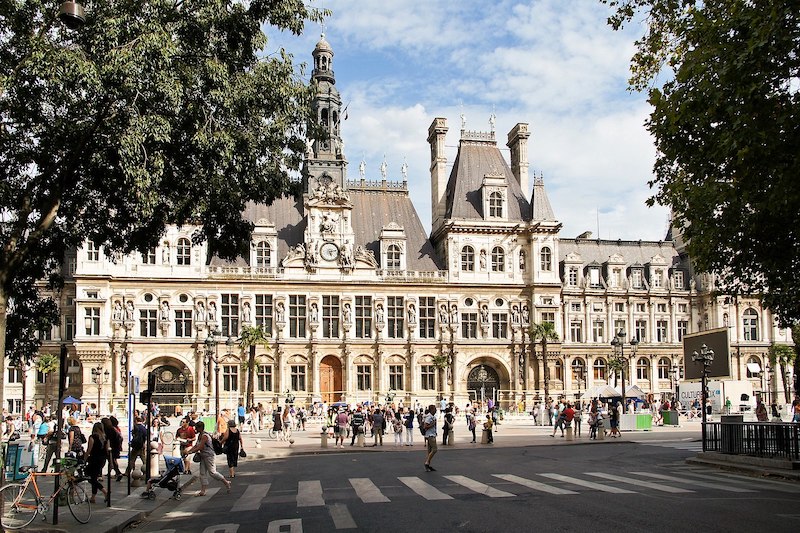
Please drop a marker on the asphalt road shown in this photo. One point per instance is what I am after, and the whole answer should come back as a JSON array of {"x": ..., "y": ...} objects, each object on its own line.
[{"x": 616, "y": 486}]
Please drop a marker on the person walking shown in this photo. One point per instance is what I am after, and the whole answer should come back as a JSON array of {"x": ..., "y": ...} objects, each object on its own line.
[
  {"x": 207, "y": 457},
  {"x": 409, "y": 423},
  {"x": 96, "y": 452},
  {"x": 277, "y": 424},
  {"x": 231, "y": 443},
  {"x": 471, "y": 423},
  {"x": 114, "y": 438},
  {"x": 615, "y": 420},
  {"x": 76, "y": 439},
  {"x": 136, "y": 448},
  {"x": 429, "y": 427},
  {"x": 447, "y": 425},
  {"x": 340, "y": 427},
  {"x": 397, "y": 427},
  {"x": 577, "y": 419},
  {"x": 357, "y": 422},
  {"x": 186, "y": 436}
]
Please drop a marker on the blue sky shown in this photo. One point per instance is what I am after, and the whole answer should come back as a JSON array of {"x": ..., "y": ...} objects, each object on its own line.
[{"x": 554, "y": 64}]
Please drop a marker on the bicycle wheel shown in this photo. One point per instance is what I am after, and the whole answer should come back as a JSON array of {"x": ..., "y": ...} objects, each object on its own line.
[
  {"x": 78, "y": 501},
  {"x": 18, "y": 506},
  {"x": 272, "y": 434}
]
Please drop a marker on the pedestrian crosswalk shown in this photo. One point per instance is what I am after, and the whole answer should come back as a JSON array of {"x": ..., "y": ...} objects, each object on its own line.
[{"x": 432, "y": 487}]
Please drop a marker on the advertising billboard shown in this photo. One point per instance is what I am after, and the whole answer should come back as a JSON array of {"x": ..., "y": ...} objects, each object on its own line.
[{"x": 715, "y": 339}]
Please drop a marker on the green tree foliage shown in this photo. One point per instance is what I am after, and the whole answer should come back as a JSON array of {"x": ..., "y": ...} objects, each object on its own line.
[
  {"x": 725, "y": 125},
  {"x": 155, "y": 112},
  {"x": 782, "y": 356},
  {"x": 544, "y": 333},
  {"x": 47, "y": 364}
]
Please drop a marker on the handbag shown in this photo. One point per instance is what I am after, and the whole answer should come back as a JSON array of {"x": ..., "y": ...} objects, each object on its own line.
[
  {"x": 242, "y": 454},
  {"x": 196, "y": 458}
]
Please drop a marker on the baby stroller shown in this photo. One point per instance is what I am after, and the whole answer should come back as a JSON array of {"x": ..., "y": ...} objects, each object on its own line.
[{"x": 168, "y": 481}]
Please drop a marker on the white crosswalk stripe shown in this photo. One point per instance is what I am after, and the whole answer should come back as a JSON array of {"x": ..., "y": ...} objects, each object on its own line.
[
  {"x": 687, "y": 446},
  {"x": 481, "y": 488},
  {"x": 779, "y": 486},
  {"x": 531, "y": 484},
  {"x": 309, "y": 494},
  {"x": 251, "y": 499},
  {"x": 588, "y": 484},
  {"x": 342, "y": 519},
  {"x": 640, "y": 483},
  {"x": 429, "y": 492},
  {"x": 693, "y": 482},
  {"x": 190, "y": 505},
  {"x": 367, "y": 491}
]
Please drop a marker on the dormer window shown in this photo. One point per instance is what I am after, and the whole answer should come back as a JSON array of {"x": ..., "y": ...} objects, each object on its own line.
[
  {"x": 468, "y": 259},
  {"x": 393, "y": 257},
  {"x": 594, "y": 277},
  {"x": 680, "y": 284},
  {"x": 657, "y": 273},
  {"x": 184, "y": 252},
  {"x": 496, "y": 205},
  {"x": 263, "y": 254},
  {"x": 92, "y": 251},
  {"x": 636, "y": 278}
]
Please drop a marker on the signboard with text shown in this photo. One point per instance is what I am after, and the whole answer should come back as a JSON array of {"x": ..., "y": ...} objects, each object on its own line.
[{"x": 715, "y": 339}]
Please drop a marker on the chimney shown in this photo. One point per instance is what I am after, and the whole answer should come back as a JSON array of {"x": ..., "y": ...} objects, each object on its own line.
[
  {"x": 436, "y": 135},
  {"x": 518, "y": 144}
]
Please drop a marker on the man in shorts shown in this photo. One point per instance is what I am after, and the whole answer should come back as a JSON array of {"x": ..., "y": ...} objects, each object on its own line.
[{"x": 429, "y": 425}]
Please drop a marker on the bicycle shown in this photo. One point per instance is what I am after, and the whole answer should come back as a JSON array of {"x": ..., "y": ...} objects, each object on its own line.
[
  {"x": 21, "y": 503},
  {"x": 285, "y": 433}
]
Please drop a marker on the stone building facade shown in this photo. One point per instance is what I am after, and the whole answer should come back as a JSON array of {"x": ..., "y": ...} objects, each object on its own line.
[{"x": 360, "y": 303}]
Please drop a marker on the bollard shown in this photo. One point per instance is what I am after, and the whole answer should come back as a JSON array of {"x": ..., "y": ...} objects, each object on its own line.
[
  {"x": 485, "y": 437},
  {"x": 323, "y": 438},
  {"x": 360, "y": 439},
  {"x": 569, "y": 433},
  {"x": 601, "y": 434},
  {"x": 450, "y": 438}
]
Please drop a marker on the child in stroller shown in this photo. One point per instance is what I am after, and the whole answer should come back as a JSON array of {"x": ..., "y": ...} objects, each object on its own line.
[{"x": 168, "y": 481}]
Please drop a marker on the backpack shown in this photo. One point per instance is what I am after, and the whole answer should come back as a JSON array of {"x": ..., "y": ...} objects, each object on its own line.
[{"x": 137, "y": 442}]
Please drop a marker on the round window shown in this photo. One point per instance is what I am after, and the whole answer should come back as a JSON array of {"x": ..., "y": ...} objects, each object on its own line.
[
  {"x": 468, "y": 302},
  {"x": 183, "y": 298},
  {"x": 499, "y": 302},
  {"x": 148, "y": 297}
]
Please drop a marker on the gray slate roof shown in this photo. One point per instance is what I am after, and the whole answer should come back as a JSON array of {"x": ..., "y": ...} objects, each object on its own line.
[
  {"x": 542, "y": 210},
  {"x": 474, "y": 160},
  {"x": 631, "y": 251}
]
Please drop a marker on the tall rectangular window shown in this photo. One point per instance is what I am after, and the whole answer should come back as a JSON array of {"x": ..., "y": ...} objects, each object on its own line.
[
  {"x": 427, "y": 377},
  {"x": 636, "y": 278},
  {"x": 148, "y": 319},
  {"x": 661, "y": 330},
  {"x": 264, "y": 378},
  {"x": 620, "y": 325},
  {"x": 572, "y": 277},
  {"x": 641, "y": 330},
  {"x": 14, "y": 375},
  {"x": 330, "y": 317},
  {"x": 297, "y": 317},
  {"x": 298, "y": 377},
  {"x": 619, "y": 307},
  {"x": 92, "y": 251},
  {"x": 500, "y": 325},
  {"x": 364, "y": 377},
  {"x": 395, "y": 312},
  {"x": 396, "y": 377},
  {"x": 92, "y": 321},
  {"x": 469, "y": 325},
  {"x": 183, "y": 322},
  {"x": 683, "y": 329},
  {"x": 363, "y": 317},
  {"x": 230, "y": 315},
  {"x": 549, "y": 317},
  {"x": 149, "y": 257},
  {"x": 576, "y": 331},
  {"x": 264, "y": 312},
  {"x": 657, "y": 274},
  {"x": 230, "y": 378},
  {"x": 679, "y": 280},
  {"x": 427, "y": 317},
  {"x": 69, "y": 328},
  {"x": 598, "y": 330}
]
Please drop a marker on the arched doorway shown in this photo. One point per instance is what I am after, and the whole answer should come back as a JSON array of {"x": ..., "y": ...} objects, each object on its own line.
[
  {"x": 330, "y": 379},
  {"x": 173, "y": 388},
  {"x": 483, "y": 383}
]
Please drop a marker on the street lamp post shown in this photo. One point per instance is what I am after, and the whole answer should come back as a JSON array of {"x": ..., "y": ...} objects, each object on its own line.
[
  {"x": 211, "y": 343},
  {"x": 99, "y": 378},
  {"x": 674, "y": 376},
  {"x": 618, "y": 343},
  {"x": 705, "y": 357}
]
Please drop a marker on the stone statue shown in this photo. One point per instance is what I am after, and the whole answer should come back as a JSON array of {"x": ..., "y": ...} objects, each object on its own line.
[
  {"x": 412, "y": 314},
  {"x": 129, "y": 311},
  {"x": 482, "y": 260},
  {"x": 444, "y": 318},
  {"x": 280, "y": 312},
  {"x": 463, "y": 121},
  {"x": 492, "y": 121},
  {"x": 379, "y": 314},
  {"x": 384, "y": 167},
  {"x": 346, "y": 313},
  {"x": 362, "y": 169},
  {"x": 522, "y": 260},
  {"x": 200, "y": 312},
  {"x": 525, "y": 315},
  {"x": 314, "y": 313},
  {"x": 366, "y": 255},
  {"x": 485, "y": 314},
  {"x": 328, "y": 224},
  {"x": 404, "y": 171},
  {"x": 347, "y": 254},
  {"x": 515, "y": 314},
  {"x": 454, "y": 315},
  {"x": 164, "y": 311},
  {"x": 246, "y": 312},
  {"x": 212, "y": 312},
  {"x": 116, "y": 314}
]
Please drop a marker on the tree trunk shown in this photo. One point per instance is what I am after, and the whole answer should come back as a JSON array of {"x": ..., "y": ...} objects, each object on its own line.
[
  {"x": 3, "y": 310},
  {"x": 546, "y": 370},
  {"x": 251, "y": 374}
]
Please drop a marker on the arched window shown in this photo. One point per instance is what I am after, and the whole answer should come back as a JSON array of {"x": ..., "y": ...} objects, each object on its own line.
[
  {"x": 753, "y": 367},
  {"x": 600, "y": 369},
  {"x": 262, "y": 254},
  {"x": 750, "y": 324},
  {"x": 393, "y": 257},
  {"x": 664, "y": 367},
  {"x": 496, "y": 205},
  {"x": 324, "y": 117},
  {"x": 498, "y": 259},
  {"x": 184, "y": 252},
  {"x": 579, "y": 372},
  {"x": 468, "y": 259},
  {"x": 546, "y": 259},
  {"x": 643, "y": 369}
]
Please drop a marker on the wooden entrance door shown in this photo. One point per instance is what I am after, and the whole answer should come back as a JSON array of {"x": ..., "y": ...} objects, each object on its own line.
[{"x": 330, "y": 379}]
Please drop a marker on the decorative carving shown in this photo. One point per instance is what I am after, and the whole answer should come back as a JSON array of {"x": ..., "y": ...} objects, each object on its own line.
[{"x": 367, "y": 256}]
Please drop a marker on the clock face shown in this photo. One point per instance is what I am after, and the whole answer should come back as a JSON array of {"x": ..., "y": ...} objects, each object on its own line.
[{"x": 329, "y": 251}]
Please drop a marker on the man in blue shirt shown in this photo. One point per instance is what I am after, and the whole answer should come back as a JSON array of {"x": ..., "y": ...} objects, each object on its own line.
[
  {"x": 240, "y": 414},
  {"x": 429, "y": 426}
]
